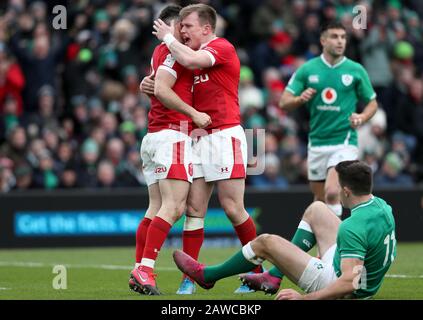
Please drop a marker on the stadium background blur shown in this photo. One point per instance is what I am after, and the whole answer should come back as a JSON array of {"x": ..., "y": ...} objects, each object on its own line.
[{"x": 71, "y": 115}]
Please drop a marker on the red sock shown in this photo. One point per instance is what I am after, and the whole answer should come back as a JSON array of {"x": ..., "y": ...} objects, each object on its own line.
[
  {"x": 156, "y": 236},
  {"x": 141, "y": 236},
  {"x": 246, "y": 232},
  {"x": 192, "y": 241}
]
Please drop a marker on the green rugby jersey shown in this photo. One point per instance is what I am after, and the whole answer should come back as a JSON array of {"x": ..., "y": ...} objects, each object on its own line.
[
  {"x": 338, "y": 89},
  {"x": 369, "y": 235}
]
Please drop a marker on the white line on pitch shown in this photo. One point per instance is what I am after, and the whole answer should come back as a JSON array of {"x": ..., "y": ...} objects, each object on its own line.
[
  {"x": 122, "y": 267},
  {"x": 403, "y": 276},
  {"x": 76, "y": 266}
]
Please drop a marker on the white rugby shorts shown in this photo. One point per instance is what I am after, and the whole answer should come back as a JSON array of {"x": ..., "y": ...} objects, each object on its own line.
[
  {"x": 166, "y": 154},
  {"x": 320, "y": 159},
  {"x": 220, "y": 155},
  {"x": 319, "y": 273}
]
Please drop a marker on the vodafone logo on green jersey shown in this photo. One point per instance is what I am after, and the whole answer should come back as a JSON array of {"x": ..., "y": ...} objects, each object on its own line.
[{"x": 329, "y": 95}]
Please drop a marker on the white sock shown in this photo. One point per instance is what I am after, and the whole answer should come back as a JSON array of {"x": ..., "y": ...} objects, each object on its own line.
[
  {"x": 193, "y": 223},
  {"x": 148, "y": 262},
  {"x": 336, "y": 208},
  {"x": 249, "y": 254},
  {"x": 305, "y": 226}
]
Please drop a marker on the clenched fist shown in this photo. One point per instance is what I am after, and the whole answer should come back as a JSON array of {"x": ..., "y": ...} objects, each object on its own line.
[
  {"x": 307, "y": 95},
  {"x": 147, "y": 85},
  {"x": 356, "y": 120},
  {"x": 202, "y": 120}
]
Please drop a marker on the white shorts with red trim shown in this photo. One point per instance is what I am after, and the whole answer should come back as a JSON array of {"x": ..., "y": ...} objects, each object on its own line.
[
  {"x": 220, "y": 155},
  {"x": 166, "y": 154}
]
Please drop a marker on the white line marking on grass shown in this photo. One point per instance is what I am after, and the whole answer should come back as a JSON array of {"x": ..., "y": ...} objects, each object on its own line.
[
  {"x": 2, "y": 288},
  {"x": 30, "y": 264},
  {"x": 21, "y": 264},
  {"x": 403, "y": 276}
]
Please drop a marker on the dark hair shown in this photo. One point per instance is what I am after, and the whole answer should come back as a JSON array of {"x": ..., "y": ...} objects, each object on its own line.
[
  {"x": 332, "y": 25},
  {"x": 169, "y": 13},
  {"x": 206, "y": 14},
  {"x": 356, "y": 175}
]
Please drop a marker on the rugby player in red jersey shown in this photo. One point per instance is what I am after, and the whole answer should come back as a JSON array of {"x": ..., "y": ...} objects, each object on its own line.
[
  {"x": 167, "y": 156},
  {"x": 219, "y": 151}
]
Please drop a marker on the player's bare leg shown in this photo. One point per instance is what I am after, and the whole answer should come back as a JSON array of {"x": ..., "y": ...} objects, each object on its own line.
[
  {"x": 154, "y": 204},
  {"x": 174, "y": 195},
  {"x": 318, "y": 225},
  {"x": 332, "y": 192},
  {"x": 193, "y": 234},
  {"x": 282, "y": 253},
  {"x": 318, "y": 190},
  {"x": 154, "y": 201},
  {"x": 324, "y": 225},
  {"x": 198, "y": 198},
  {"x": 286, "y": 256},
  {"x": 231, "y": 198}
]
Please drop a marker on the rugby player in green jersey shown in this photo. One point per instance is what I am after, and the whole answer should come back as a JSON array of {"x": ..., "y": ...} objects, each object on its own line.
[
  {"x": 355, "y": 253},
  {"x": 330, "y": 86}
]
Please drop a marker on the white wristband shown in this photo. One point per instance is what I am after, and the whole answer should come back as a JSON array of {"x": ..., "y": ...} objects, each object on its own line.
[{"x": 168, "y": 39}]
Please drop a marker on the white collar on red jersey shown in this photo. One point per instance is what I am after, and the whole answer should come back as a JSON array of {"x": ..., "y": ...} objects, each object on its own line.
[{"x": 207, "y": 43}]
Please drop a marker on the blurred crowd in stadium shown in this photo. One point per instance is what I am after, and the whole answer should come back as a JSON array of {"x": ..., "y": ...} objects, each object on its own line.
[{"x": 72, "y": 115}]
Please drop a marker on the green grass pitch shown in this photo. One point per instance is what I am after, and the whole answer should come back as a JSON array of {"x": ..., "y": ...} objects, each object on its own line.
[{"x": 102, "y": 273}]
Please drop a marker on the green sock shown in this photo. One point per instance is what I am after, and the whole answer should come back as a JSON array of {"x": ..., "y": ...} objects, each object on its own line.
[
  {"x": 234, "y": 265},
  {"x": 304, "y": 239}
]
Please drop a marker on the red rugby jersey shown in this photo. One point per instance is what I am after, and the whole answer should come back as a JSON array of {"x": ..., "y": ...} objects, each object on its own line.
[
  {"x": 160, "y": 117},
  {"x": 216, "y": 87}
]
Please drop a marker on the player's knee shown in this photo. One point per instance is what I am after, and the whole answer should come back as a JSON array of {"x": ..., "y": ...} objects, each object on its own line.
[
  {"x": 231, "y": 207},
  {"x": 173, "y": 209},
  {"x": 331, "y": 194},
  {"x": 180, "y": 209},
  {"x": 195, "y": 210},
  {"x": 261, "y": 243},
  {"x": 312, "y": 209}
]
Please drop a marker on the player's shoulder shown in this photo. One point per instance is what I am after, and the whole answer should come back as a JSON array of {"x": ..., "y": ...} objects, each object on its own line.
[
  {"x": 310, "y": 64},
  {"x": 220, "y": 43},
  {"x": 382, "y": 206},
  {"x": 354, "y": 64},
  {"x": 354, "y": 224},
  {"x": 160, "y": 50}
]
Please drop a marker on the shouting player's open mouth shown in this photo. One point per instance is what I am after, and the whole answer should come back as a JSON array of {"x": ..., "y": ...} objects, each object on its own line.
[{"x": 186, "y": 40}]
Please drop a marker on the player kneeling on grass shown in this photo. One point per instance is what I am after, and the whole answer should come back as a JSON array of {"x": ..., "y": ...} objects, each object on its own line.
[{"x": 355, "y": 254}]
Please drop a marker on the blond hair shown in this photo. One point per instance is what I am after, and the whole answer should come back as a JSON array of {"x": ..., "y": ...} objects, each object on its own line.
[{"x": 206, "y": 14}]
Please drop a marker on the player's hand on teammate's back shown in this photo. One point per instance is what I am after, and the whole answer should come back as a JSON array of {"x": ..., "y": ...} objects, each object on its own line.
[
  {"x": 289, "y": 294},
  {"x": 202, "y": 120},
  {"x": 161, "y": 28},
  {"x": 147, "y": 85},
  {"x": 307, "y": 95},
  {"x": 356, "y": 120}
]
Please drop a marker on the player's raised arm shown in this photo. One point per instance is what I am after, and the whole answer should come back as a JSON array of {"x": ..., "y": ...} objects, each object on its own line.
[
  {"x": 290, "y": 102},
  {"x": 163, "y": 91},
  {"x": 183, "y": 54}
]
